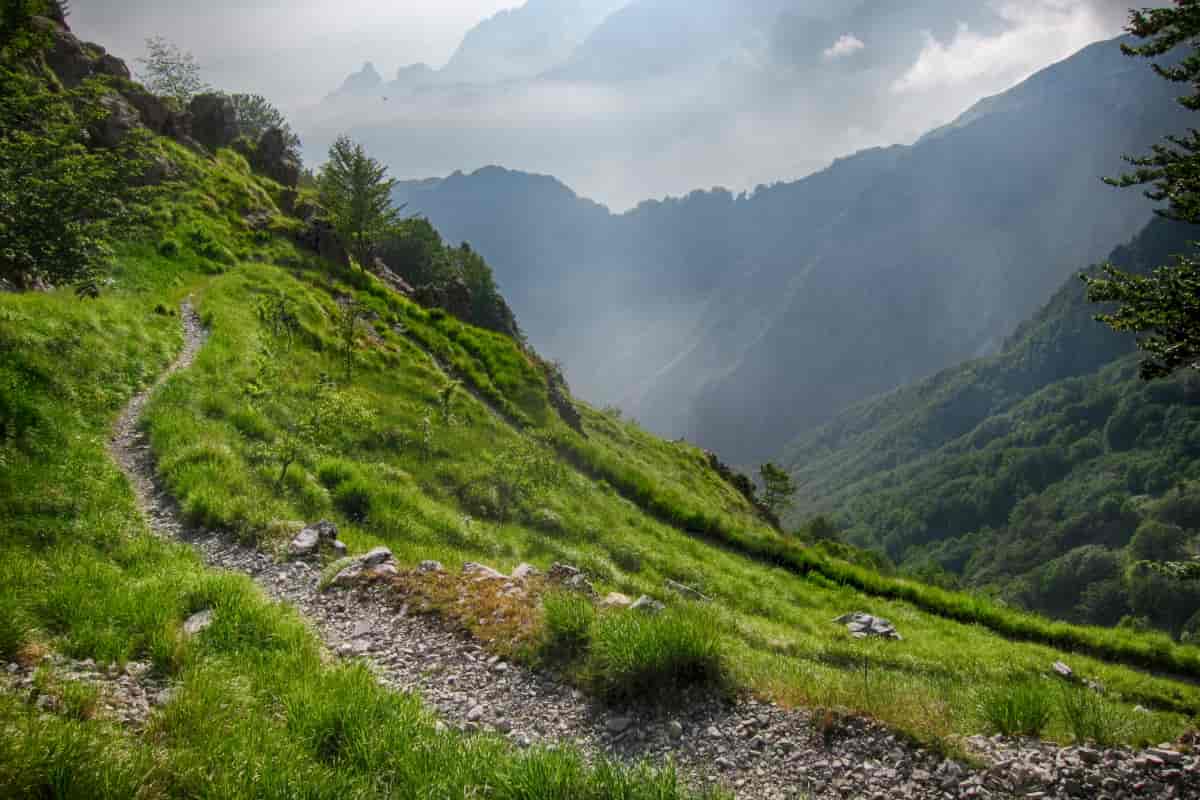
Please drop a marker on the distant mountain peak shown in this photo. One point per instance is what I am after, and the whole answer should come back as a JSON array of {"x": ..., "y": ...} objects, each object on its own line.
[{"x": 365, "y": 80}]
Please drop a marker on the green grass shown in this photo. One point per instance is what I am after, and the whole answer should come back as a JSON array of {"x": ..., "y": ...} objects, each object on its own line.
[
  {"x": 257, "y": 711},
  {"x": 567, "y": 622},
  {"x": 637, "y": 658},
  {"x": 431, "y": 495},
  {"x": 1023, "y": 708}
]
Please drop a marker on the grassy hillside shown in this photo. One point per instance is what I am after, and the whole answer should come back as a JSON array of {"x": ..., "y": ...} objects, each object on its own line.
[
  {"x": 1041, "y": 473},
  {"x": 291, "y": 414}
]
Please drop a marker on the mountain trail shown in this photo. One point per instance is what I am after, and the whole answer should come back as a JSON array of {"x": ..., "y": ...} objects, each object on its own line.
[{"x": 755, "y": 748}]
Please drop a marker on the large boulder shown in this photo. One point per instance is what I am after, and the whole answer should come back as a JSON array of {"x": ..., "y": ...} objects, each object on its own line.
[
  {"x": 74, "y": 61},
  {"x": 119, "y": 120},
  {"x": 274, "y": 159},
  {"x": 214, "y": 120}
]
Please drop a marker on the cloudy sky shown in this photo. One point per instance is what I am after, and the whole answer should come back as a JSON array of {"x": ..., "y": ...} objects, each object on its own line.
[{"x": 669, "y": 96}]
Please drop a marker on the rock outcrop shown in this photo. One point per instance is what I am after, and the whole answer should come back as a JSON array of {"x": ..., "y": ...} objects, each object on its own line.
[
  {"x": 378, "y": 564},
  {"x": 119, "y": 121},
  {"x": 453, "y": 297},
  {"x": 214, "y": 120},
  {"x": 272, "y": 158}
]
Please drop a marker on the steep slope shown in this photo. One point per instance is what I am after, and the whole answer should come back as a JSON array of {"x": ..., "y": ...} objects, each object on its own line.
[
  {"x": 1011, "y": 470},
  {"x": 741, "y": 321}
]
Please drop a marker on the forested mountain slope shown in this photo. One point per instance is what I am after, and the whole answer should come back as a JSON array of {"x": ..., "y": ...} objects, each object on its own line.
[
  {"x": 1041, "y": 472},
  {"x": 741, "y": 321}
]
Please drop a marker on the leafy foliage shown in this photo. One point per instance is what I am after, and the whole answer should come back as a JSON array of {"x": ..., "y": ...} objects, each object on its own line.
[
  {"x": 171, "y": 72},
  {"x": 61, "y": 198},
  {"x": 1166, "y": 304},
  {"x": 257, "y": 115},
  {"x": 355, "y": 190},
  {"x": 779, "y": 489}
]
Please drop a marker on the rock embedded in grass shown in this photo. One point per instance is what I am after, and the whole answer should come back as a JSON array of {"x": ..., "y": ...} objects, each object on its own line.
[
  {"x": 862, "y": 625},
  {"x": 308, "y": 542},
  {"x": 482, "y": 572},
  {"x": 375, "y": 565},
  {"x": 647, "y": 605},
  {"x": 686, "y": 591},
  {"x": 198, "y": 622},
  {"x": 616, "y": 600},
  {"x": 524, "y": 572}
]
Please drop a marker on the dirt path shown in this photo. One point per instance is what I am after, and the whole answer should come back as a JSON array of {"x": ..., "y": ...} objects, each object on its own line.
[{"x": 757, "y": 749}]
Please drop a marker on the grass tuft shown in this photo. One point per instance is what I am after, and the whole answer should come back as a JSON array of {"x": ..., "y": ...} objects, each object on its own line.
[
  {"x": 567, "y": 623},
  {"x": 1021, "y": 708},
  {"x": 641, "y": 657}
]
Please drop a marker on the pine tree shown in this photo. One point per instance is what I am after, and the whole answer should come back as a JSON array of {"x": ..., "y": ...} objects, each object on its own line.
[
  {"x": 357, "y": 193},
  {"x": 1165, "y": 306}
]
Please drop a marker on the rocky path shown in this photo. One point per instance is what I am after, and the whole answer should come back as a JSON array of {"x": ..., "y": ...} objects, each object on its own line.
[{"x": 754, "y": 748}]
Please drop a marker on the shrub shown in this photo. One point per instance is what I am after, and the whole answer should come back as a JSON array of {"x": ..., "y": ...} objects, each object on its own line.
[
  {"x": 353, "y": 498},
  {"x": 169, "y": 248},
  {"x": 333, "y": 472},
  {"x": 567, "y": 621},
  {"x": 627, "y": 558},
  {"x": 638, "y": 657},
  {"x": 1022, "y": 708},
  {"x": 1090, "y": 717}
]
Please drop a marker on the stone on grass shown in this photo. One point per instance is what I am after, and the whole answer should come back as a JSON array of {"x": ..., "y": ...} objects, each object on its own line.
[
  {"x": 482, "y": 572},
  {"x": 308, "y": 541},
  {"x": 524, "y": 572},
  {"x": 616, "y": 600},
  {"x": 1063, "y": 671},
  {"x": 862, "y": 626},
  {"x": 647, "y": 605},
  {"x": 430, "y": 566},
  {"x": 685, "y": 591},
  {"x": 375, "y": 565},
  {"x": 198, "y": 622}
]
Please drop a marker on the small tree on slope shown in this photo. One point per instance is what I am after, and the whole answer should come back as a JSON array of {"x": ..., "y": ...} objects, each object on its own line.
[{"x": 357, "y": 193}]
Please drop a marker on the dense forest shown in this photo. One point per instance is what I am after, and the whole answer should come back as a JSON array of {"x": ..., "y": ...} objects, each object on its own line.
[{"x": 1043, "y": 474}]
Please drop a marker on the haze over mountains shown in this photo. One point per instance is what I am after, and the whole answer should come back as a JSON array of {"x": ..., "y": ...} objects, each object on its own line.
[
  {"x": 643, "y": 98},
  {"x": 741, "y": 321}
]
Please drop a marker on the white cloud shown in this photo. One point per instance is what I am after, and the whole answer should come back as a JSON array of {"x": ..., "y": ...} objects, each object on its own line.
[
  {"x": 1039, "y": 31},
  {"x": 847, "y": 44}
]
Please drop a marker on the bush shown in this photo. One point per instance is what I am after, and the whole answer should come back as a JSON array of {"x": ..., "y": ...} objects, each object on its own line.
[
  {"x": 334, "y": 472},
  {"x": 1022, "y": 708},
  {"x": 639, "y": 657},
  {"x": 169, "y": 248},
  {"x": 353, "y": 498},
  {"x": 627, "y": 558},
  {"x": 567, "y": 621},
  {"x": 1090, "y": 717}
]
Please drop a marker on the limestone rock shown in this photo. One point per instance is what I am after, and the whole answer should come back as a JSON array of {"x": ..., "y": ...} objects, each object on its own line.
[
  {"x": 1063, "y": 671},
  {"x": 273, "y": 159},
  {"x": 378, "y": 564},
  {"x": 214, "y": 120},
  {"x": 862, "y": 625},
  {"x": 647, "y": 605},
  {"x": 119, "y": 121},
  {"x": 430, "y": 566},
  {"x": 686, "y": 591},
  {"x": 308, "y": 541},
  {"x": 524, "y": 572},
  {"x": 482, "y": 572},
  {"x": 616, "y": 600},
  {"x": 198, "y": 622}
]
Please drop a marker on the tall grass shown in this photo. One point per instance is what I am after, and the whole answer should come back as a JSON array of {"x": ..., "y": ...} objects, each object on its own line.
[
  {"x": 567, "y": 622},
  {"x": 1021, "y": 708},
  {"x": 637, "y": 657},
  {"x": 1090, "y": 717}
]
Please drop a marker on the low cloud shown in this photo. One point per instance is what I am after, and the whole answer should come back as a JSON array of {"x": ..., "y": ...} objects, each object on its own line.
[
  {"x": 1038, "y": 31},
  {"x": 847, "y": 45}
]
